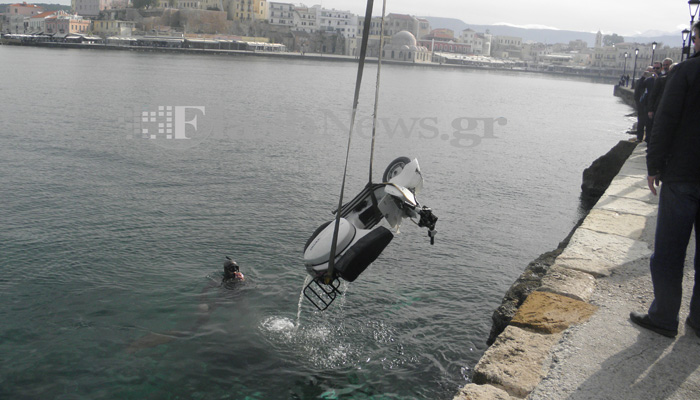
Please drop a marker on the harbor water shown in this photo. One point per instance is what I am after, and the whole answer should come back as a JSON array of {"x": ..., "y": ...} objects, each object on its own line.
[{"x": 115, "y": 224}]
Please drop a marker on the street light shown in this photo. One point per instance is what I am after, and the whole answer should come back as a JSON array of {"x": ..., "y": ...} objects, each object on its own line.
[
  {"x": 693, "y": 6},
  {"x": 684, "y": 34},
  {"x": 634, "y": 74},
  {"x": 653, "y": 49},
  {"x": 624, "y": 70}
]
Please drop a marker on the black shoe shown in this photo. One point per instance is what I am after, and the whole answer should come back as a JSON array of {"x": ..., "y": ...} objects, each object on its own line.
[
  {"x": 693, "y": 325},
  {"x": 644, "y": 321}
]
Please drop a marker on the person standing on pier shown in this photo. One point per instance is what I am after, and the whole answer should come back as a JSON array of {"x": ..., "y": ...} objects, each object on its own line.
[
  {"x": 673, "y": 157},
  {"x": 657, "y": 91},
  {"x": 639, "y": 102}
]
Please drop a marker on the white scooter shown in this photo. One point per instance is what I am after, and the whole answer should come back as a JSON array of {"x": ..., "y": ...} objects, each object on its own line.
[{"x": 359, "y": 240}]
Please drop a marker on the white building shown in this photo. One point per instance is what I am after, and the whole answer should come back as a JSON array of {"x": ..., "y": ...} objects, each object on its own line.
[
  {"x": 342, "y": 22},
  {"x": 403, "y": 47},
  {"x": 280, "y": 13},
  {"x": 305, "y": 19},
  {"x": 480, "y": 43},
  {"x": 473, "y": 39},
  {"x": 374, "y": 27}
]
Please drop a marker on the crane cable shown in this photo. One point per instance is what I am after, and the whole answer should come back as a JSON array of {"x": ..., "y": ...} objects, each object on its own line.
[
  {"x": 358, "y": 83},
  {"x": 376, "y": 94}
]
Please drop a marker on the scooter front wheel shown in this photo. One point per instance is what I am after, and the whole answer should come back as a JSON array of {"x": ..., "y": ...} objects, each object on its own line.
[{"x": 395, "y": 167}]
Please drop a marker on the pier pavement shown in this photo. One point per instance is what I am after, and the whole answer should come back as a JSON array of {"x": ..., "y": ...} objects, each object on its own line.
[{"x": 572, "y": 338}]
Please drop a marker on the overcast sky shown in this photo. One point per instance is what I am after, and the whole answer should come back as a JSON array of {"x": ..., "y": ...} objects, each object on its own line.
[{"x": 624, "y": 17}]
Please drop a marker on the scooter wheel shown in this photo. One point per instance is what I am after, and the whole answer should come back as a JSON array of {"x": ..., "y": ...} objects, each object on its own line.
[{"x": 395, "y": 167}]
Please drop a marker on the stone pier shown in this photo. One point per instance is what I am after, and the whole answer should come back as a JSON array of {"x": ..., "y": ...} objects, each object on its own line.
[{"x": 572, "y": 338}]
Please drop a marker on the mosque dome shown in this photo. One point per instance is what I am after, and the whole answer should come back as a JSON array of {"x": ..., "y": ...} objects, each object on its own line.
[{"x": 403, "y": 38}]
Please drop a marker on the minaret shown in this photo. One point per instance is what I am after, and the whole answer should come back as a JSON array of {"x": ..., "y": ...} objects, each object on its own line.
[{"x": 598, "y": 39}]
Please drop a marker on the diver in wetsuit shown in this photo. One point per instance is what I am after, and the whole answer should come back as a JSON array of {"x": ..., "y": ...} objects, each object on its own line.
[
  {"x": 232, "y": 276},
  {"x": 232, "y": 272}
]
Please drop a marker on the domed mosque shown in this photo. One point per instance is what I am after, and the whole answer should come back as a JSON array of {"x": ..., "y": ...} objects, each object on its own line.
[{"x": 403, "y": 48}]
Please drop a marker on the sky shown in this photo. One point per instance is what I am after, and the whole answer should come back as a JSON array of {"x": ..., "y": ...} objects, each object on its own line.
[{"x": 624, "y": 17}]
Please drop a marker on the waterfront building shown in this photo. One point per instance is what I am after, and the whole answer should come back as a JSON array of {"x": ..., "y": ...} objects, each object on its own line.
[
  {"x": 395, "y": 23},
  {"x": 535, "y": 52},
  {"x": 341, "y": 22},
  {"x": 281, "y": 14},
  {"x": 423, "y": 28},
  {"x": 305, "y": 19},
  {"x": 246, "y": 10},
  {"x": 443, "y": 40},
  {"x": 506, "y": 47},
  {"x": 92, "y": 8},
  {"x": 374, "y": 27},
  {"x": 67, "y": 24},
  {"x": 214, "y": 5},
  {"x": 37, "y": 23},
  {"x": 106, "y": 28},
  {"x": 610, "y": 60},
  {"x": 404, "y": 47},
  {"x": 17, "y": 16},
  {"x": 24, "y": 9},
  {"x": 477, "y": 41}
]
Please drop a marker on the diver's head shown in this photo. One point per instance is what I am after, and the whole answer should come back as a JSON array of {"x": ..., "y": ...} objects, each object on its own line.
[{"x": 230, "y": 268}]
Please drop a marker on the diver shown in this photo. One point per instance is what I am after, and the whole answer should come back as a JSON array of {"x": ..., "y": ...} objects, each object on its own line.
[
  {"x": 231, "y": 277},
  {"x": 232, "y": 272}
]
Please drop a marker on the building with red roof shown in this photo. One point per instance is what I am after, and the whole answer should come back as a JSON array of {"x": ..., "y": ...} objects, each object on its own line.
[{"x": 15, "y": 18}]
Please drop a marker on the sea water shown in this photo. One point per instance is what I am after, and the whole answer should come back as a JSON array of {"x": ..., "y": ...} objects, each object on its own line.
[{"x": 108, "y": 238}]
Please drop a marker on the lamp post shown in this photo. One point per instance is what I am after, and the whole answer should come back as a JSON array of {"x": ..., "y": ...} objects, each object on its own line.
[
  {"x": 684, "y": 34},
  {"x": 653, "y": 49},
  {"x": 693, "y": 6},
  {"x": 624, "y": 70},
  {"x": 634, "y": 73}
]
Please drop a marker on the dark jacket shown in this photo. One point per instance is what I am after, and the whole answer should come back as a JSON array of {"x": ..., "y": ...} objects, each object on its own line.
[
  {"x": 674, "y": 146},
  {"x": 647, "y": 88},
  {"x": 656, "y": 92},
  {"x": 638, "y": 91}
]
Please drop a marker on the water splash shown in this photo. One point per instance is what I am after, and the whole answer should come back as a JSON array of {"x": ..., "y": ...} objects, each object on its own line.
[{"x": 307, "y": 279}]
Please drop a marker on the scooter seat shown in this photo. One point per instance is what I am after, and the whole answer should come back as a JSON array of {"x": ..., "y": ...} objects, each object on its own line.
[{"x": 319, "y": 249}]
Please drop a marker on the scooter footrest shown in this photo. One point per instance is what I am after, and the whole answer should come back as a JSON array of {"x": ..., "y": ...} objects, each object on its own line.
[{"x": 320, "y": 294}]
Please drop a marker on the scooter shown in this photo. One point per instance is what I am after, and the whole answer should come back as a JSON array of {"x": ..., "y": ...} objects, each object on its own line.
[{"x": 360, "y": 240}]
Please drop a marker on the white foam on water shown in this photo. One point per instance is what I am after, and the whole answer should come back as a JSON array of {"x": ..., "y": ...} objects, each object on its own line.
[{"x": 278, "y": 324}]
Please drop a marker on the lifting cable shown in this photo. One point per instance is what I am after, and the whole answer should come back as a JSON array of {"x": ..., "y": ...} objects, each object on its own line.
[
  {"x": 358, "y": 83},
  {"x": 376, "y": 96}
]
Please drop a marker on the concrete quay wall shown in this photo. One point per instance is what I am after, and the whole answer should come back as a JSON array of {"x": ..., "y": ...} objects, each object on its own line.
[
  {"x": 609, "y": 237},
  {"x": 626, "y": 94}
]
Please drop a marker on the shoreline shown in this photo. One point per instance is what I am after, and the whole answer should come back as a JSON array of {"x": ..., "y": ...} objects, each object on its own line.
[
  {"x": 298, "y": 56},
  {"x": 546, "y": 337}
]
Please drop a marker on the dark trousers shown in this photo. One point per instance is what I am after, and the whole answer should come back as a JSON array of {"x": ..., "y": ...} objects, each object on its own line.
[
  {"x": 679, "y": 211},
  {"x": 643, "y": 123}
]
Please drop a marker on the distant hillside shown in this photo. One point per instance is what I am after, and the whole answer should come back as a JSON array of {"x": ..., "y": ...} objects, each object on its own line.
[
  {"x": 46, "y": 7},
  {"x": 541, "y": 35}
]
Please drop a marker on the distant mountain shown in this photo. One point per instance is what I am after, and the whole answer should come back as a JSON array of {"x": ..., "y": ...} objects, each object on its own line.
[{"x": 544, "y": 35}]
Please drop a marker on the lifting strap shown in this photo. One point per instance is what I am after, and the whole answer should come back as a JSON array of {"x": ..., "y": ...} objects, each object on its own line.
[
  {"x": 376, "y": 98},
  {"x": 358, "y": 82}
]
